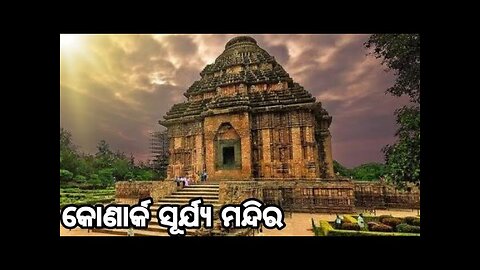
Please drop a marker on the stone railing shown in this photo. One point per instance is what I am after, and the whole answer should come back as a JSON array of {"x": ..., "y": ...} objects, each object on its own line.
[
  {"x": 331, "y": 195},
  {"x": 380, "y": 195},
  {"x": 130, "y": 192}
]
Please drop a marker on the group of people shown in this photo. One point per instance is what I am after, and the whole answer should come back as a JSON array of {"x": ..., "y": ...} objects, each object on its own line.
[
  {"x": 339, "y": 222},
  {"x": 186, "y": 180},
  {"x": 183, "y": 180}
]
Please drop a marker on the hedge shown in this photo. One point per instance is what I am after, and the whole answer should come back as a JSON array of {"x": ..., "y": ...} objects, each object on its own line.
[
  {"x": 392, "y": 222},
  {"x": 350, "y": 226},
  {"x": 93, "y": 202},
  {"x": 380, "y": 218},
  {"x": 366, "y": 233},
  {"x": 416, "y": 222},
  {"x": 379, "y": 227},
  {"x": 407, "y": 228},
  {"x": 324, "y": 228},
  {"x": 367, "y": 218},
  {"x": 349, "y": 219},
  {"x": 409, "y": 220}
]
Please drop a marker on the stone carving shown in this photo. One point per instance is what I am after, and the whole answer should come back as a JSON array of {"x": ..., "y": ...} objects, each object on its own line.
[{"x": 283, "y": 131}]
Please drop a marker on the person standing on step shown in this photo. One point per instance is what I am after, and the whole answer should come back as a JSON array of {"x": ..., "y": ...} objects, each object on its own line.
[{"x": 204, "y": 176}]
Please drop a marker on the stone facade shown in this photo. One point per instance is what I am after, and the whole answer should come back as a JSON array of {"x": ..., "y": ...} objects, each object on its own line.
[
  {"x": 380, "y": 195},
  {"x": 130, "y": 192},
  {"x": 294, "y": 195},
  {"x": 321, "y": 195},
  {"x": 247, "y": 119}
]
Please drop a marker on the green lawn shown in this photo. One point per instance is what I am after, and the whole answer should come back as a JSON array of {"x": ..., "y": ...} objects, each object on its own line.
[{"x": 86, "y": 196}]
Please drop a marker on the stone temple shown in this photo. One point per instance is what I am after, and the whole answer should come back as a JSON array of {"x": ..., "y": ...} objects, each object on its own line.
[{"x": 247, "y": 119}]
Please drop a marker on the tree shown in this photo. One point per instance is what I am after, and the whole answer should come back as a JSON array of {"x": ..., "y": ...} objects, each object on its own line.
[
  {"x": 340, "y": 169},
  {"x": 403, "y": 157},
  {"x": 120, "y": 169},
  {"x": 368, "y": 171},
  {"x": 65, "y": 175},
  {"x": 68, "y": 152},
  {"x": 104, "y": 156},
  {"x": 401, "y": 53}
]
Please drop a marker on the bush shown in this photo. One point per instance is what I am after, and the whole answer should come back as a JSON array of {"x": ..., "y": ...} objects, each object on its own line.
[
  {"x": 65, "y": 175},
  {"x": 106, "y": 176},
  {"x": 416, "y": 222},
  {"x": 392, "y": 222},
  {"x": 349, "y": 219},
  {"x": 379, "y": 227},
  {"x": 367, "y": 218},
  {"x": 324, "y": 228},
  {"x": 365, "y": 233},
  {"x": 371, "y": 224},
  {"x": 350, "y": 226},
  {"x": 407, "y": 228},
  {"x": 80, "y": 178},
  {"x": 380, "y": 218},
  {"x": 409, "y": 220}
]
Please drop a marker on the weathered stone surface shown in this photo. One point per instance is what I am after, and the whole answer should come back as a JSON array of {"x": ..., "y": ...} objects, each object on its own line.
[
  {"x": 235, "y": 192},
  {"x": 380, "y": 195},
  {"x": 320, "y": 195},
  {"x": 282, "y": 130},
  {"x": 317, "y": 195},
  {"x": 130, "y": 192}
]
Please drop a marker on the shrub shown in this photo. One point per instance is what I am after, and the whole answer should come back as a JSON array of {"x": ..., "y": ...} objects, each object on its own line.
[
  {"x": 324, "y": 228},
  {"x": 364, "y": 233},
  {"x": 392, "y": 222},
  {"x": 65, "y": 175},
  {"x": 407, "y": 228},
  {"x": 350, "y": 226},
  {"x": 371, "y": 224},
  {"x": 416, "y": 222},
  {"x": 379, "y": 227},
  {"x": 80, "y": 178},
  {"x": 409, "y": 220},
  {"x": 349, "y": 219},
  {"x": 380, "y": 218}
]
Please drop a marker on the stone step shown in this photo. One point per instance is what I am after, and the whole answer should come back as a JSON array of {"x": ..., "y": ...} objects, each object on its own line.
[
  {"x": 191, "y": 196},
  {"x": 195, "y": 192},
  {"x": 188, "y": 189},
  {"x": 137, "y": 232},
  {"x": 202, "y": 186},
  {"x": 154, "y": 207},
  {"x": 184, "y": 200},
  {"x": 154, "y": 227}
]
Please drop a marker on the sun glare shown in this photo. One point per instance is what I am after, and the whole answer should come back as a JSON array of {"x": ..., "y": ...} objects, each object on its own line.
[{"x": 70, "y": 41}]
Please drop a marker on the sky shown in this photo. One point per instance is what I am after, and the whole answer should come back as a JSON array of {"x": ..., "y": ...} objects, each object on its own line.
[{"x": 117, "y": 87}]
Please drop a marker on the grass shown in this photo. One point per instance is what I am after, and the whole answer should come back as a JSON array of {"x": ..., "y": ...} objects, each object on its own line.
[
  {"x": 325, "y": 228},
  {"x": 86, "y": 196}
]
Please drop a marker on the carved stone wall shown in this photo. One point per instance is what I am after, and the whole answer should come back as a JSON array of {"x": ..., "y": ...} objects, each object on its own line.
[
  {"x": 284, "y": 145},
  {"x": 380, "y": 195},
  {"x": 130, "y": 192},
  {"x": 241, "y": 124},
  {"x": 320, "y": 195},
  {"x": 323, "y": 196},
  {"x": 282, "y": 131}
]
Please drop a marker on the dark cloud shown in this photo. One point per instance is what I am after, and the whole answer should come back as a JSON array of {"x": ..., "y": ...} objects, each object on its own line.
[
  {"x": 181, "y": 46},
  {"x": 117, "y": 87}
]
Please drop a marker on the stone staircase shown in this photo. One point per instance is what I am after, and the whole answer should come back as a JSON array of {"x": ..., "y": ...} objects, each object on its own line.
[{"x": 209, "y": 193}]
